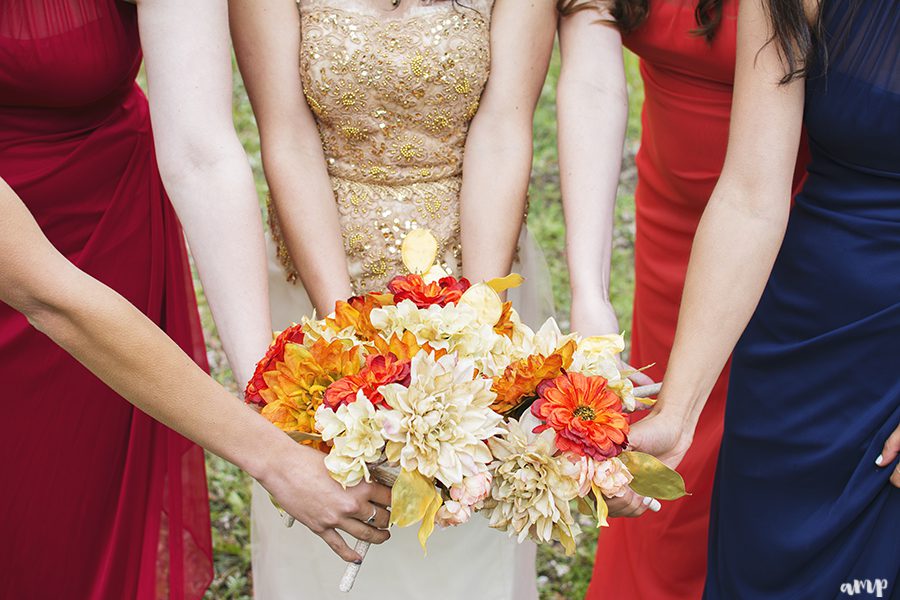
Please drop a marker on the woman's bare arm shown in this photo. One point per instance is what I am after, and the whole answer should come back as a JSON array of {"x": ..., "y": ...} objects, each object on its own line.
[
  {"x": 267, "y": 42},
  {"x": 129, "y": 353},
  {"x": 204, "y": 168},
  {"x": 497, "y": 162}
]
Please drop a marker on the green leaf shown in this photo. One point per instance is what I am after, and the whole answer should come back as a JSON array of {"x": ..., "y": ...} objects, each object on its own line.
[{"x": 652, "y": 478}]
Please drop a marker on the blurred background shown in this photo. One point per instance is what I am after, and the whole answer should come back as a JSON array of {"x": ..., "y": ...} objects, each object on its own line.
[{"x": 559, "y": 577}]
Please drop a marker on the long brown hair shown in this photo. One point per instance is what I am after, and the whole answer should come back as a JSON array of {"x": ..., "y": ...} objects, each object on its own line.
[
  {"x": 794, "y": 36},
  {"x": 629, "y": 14}
]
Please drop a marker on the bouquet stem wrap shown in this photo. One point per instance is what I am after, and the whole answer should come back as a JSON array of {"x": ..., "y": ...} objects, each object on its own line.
[{"x": 386, "y": 476}]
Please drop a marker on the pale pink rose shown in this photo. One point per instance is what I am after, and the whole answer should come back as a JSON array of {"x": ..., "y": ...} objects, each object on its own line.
[
  {"x": 610, "y": 476},
  {"x": 452, "y": 513},
  {"x": 472, "y": 490}
]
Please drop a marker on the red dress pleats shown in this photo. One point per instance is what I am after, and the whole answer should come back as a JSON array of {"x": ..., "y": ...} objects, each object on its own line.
[{"x": 99, "y": 501}]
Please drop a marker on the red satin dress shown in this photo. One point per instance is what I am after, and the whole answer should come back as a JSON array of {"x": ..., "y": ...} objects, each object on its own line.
[
  {"x": 688, "y": 88},
  {"x": 99, "y": 501}
]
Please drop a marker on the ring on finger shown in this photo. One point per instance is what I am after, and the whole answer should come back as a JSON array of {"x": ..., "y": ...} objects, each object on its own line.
[{"x": 371, "y": 519}]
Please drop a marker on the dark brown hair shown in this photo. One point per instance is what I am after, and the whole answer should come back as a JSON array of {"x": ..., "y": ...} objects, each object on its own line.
[
  {"x": 629, "y": 14},
  {"x": 793, "y": 35}
]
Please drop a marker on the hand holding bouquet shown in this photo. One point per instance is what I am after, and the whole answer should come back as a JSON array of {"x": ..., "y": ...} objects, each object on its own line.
[{"x": 437, "y": 387}]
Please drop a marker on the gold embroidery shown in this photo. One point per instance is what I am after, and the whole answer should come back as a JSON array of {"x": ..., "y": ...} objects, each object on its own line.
[{"x": 392, "y": 100}]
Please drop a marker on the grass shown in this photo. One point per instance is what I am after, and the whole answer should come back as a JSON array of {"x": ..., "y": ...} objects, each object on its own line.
[{"x": 559, "y": 577}]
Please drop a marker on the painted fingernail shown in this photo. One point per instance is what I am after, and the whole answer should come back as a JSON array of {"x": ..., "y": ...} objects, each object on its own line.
[
  {"x": 357, "y": 562},
  {"x": 879, "y": 460},
  {"x": 646, "y": 501},
  {"x": 655, "y": 505}
]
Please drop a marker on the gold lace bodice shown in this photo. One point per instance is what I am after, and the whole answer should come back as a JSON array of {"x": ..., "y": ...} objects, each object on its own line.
[{"x": 393, "y": 93}]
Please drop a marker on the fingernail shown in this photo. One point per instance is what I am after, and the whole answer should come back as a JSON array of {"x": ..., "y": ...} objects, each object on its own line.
[
  {"x": 655, "y": 505},
  {"x": 879, "y": 460},
  {"x": 646, "y": 501},
  {"x": 357, "y": 562}
]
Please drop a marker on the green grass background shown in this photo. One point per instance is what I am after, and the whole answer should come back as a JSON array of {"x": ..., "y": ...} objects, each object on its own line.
[{"x": 559, "y": 577}]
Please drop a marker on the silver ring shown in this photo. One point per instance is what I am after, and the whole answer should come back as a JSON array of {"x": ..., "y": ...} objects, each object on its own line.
[{"x": 371, "y": 519}]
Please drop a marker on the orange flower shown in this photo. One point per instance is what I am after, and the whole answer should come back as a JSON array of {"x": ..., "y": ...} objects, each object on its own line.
[
  {"x": 404, "y": 348},
  {"x": 585, "y": 414},
  {"x": 521, "y": 379},
  {"x": 355, "y": 313},
  {"x": 447, "y": 290},
  {"x": 379, "y": 370},
  {"x": 296, "y": 388},
  {"x": 505, "y": 325},
  {"x": 275, "y": 354}
]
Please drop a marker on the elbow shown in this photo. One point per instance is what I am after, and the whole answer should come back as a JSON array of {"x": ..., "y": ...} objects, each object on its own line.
[
  {"x": 580, "y": 92},
  {"x": 197, "y": 158}
]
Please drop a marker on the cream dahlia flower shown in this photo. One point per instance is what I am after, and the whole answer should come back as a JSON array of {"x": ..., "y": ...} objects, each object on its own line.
[
  {"x": 532, "y": 487},
  {"x": 438, "y": 424},
  {"x": 356, "y": 436}
]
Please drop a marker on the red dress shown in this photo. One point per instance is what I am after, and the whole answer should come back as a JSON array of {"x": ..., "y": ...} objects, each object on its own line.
[
  {"x": 688, "y": 87},
  {"x": 99, "y": 500}
]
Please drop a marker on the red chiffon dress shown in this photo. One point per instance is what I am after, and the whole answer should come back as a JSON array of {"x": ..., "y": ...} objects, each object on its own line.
[
  {"x": 688, "y": 87},
  {"x": 99, "y": 500}
]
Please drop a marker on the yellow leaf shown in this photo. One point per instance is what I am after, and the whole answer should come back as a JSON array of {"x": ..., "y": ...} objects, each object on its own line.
[
  {"x": 302, "y": 436},
  {"x": 612, "y": 344},
  {"x": 567, "y": 539},
  {"x": 602, "y": 508},
  {"x": 419, "y": 250},
  {"x": 485, "y": 301},
  {"x": 411, "y": 498},
  {"x": 652, "y": 478},
  {"x": 501, "y": 284},
  {"x": 427, "y": 526}
]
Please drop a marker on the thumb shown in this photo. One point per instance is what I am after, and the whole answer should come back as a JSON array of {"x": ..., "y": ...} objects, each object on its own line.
[
  {"x": 890, "y": 450},
  {"x": 636, "y": 437}
]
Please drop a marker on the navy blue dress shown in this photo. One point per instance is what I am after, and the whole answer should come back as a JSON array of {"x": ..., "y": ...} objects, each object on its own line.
[{"x": 800, "y": 510}]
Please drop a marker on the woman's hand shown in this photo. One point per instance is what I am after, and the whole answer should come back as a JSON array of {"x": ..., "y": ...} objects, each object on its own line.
[
  {"x": 889, "y": 454},
  {"x": 302, "y": 486},
  {"x": 593, "y": 314},
  {"x": 631, "y": 505},
  {"x": 665, "y": 436},
  {"x": 662, "y": 434}
]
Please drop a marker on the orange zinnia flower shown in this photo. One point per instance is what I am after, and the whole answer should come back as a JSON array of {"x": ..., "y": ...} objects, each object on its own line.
[
  {"x": 447, "y": 290},
  {"x": 274, "y": 354},
  {"x": 379, "y": 370},
  {"x": 296, "y": 388},
  {"x": 520, "y": 380},
  {"x": 585, "y": 414}
]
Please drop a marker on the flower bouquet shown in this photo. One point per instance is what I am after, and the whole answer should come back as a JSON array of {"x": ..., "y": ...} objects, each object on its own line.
[{"x": 437, "y": 388}]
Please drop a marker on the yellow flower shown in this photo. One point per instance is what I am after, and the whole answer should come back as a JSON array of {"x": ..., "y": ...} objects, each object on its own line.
[{"x": 297, "y": 385}]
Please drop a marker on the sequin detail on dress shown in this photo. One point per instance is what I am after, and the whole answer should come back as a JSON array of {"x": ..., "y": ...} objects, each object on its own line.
[{"x": 392, "y": 99}]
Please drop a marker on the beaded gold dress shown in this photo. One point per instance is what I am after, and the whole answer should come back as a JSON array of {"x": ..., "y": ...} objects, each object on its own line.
[{"x": 393, "y": 93}]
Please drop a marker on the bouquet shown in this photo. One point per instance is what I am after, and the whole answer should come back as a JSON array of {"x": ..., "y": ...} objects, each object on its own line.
[{"x": 436, "y": 387}]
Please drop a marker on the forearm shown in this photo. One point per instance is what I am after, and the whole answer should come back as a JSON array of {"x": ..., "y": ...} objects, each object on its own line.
[
  {"x": 590, "y": 157},
  {"x": 128, "y": 352},
  {"x": 307, "y": 212},
  {"x": 496, "y": 171},
  {"x": 217, "y": 203},
  {"x": 733, "y": 253}
]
